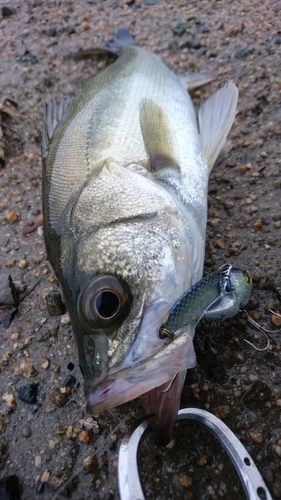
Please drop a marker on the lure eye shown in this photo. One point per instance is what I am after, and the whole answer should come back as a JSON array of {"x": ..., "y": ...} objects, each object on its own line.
[
  {"x": 247, "y": 277},
  {"x": 104, "y": 302}
]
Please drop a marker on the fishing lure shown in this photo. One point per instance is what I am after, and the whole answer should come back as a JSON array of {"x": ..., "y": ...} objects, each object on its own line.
[{"x": 219, "y": 295}]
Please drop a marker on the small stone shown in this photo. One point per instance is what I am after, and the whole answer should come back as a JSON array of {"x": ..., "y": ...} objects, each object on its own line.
[
  {"x": 256, "y": 437},
  {"x": 58, "y": 398},
  {"x": 244, "y": 52},
  {"x": 45, "y": 365},
  {"x": 55, "y": 305},
  {"x": 65, "y": 319},
  {"x": 222, "y": 411},
  {"x": 257, "y": 224},
  {"x": 26, "y": 369},
  {"x": 180, "y": 28},
  {"x": 277, "y": 224},
  {"x": 277, "y": 449},
  {"x": 15, "y": 336},
  {"x": 38, "y": 461},
  {"x": 26, "y": 431},
  {"x": 23, "y": 264},
  {"x": 85, "y": 25},
  {"x": 185, "y": 481},
  {"x": 89, "y": 465},
  {"x": 202, "y": 460},
  {"x": 45, "y": 476},
  {"x": 28, "y": 393},
  {"x": 278, "y": 402},
  {"x": 12, "y": 217},
  {"x": 91, "y": 424},
  {"x": 219, "y": 244},
  {"x": 276, "y": 320},
  {"x": 84, "y": 437},
  {"x": 9, "y": 400}
]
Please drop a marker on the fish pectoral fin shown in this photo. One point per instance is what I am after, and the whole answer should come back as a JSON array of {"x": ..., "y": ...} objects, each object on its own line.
[
  {"x": 157, "y": 136},
  {"x": 191, "y": 81},
  {"x": 215, "y": 118},
  {"x": 52, "y": 114}
]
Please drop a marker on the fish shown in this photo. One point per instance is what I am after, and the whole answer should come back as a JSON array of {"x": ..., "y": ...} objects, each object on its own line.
[
  {"x": 220, "y": 295},
  {"x": 125, "y": 178}
]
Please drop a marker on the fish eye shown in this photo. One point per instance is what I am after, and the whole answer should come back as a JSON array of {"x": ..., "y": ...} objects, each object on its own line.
[
  {"x": 104, "y": 302},
  {"x": 247, "y": 277}
]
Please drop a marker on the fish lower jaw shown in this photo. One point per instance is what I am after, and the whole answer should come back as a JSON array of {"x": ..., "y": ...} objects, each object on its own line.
[{"x": 130, "y": 383}]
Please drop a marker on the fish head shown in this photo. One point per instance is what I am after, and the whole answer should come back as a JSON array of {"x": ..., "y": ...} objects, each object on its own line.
[{"x": 126, "y": 257}]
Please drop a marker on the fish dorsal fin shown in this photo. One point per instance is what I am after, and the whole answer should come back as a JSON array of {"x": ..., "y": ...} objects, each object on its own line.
[
  {"x": 52, "y": 115},
  {"x": 157, "y": 136},
  {"x": 216, "y": 117}
]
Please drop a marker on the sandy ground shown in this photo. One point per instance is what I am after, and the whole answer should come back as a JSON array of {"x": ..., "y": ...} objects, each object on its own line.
[{"x": 49, "y": 443}]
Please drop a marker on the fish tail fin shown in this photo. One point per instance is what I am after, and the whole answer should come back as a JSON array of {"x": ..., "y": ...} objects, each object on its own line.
[
  {"x": 120, "y": 40},
  {"x": 215, "y": 118}
]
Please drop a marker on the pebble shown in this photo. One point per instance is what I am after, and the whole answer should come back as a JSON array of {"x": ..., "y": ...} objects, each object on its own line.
[
  {"x": 38, "y": 461},
  {"x": 28, "y": 393},
  {"x": 185, "y": 481},
  {"x": 65, "y": 319},
  {"x": 180, "y": 28},
  {"x": 58, "y": 398},
  {"x": 246, "y": 51},
  {"x": 84, "y": 437},
  {"x": 55, "y": 305},
  {"x": 15, "y": 336},
  {"x": 26, "y": 431},
  {"x": 45, "y": 476},
  {"x": 26, "y": 369},
  {"x": 23, "y": 264},
  {"x": 276, "y": 320},
  {"x": 12, "y": 217},
  {"x": 9, "y": 400}
]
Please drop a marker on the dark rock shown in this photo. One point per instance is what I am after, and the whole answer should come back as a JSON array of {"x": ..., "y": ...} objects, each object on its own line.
[
  {"x": 196, "y": 44},
  {"x": 203, "y": 29},
  {"x": 69, "y": 381},
  {"x": 180, "y": 28},
  {"x": 55, "y": 305},
  {"x": 10, "y": 488},
  {"x": 201, "y": 52},
  {"x": 7, "y": 11},
  {"x": 247, "y": 51},
  {"x": 28, "y": 393},
  {"x": 70, "y": 366},
  {"x": 6, "y": 316}
]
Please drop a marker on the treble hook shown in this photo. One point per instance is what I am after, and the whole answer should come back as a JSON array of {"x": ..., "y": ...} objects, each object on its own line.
[{"x": 263, "y": 331}]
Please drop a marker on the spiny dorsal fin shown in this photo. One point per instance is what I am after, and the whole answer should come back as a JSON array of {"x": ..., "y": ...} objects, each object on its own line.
[
  {"x": 156, "y": 135},
  {"x": 216, "y": 117},
  {"x": 52, "y": 114}
]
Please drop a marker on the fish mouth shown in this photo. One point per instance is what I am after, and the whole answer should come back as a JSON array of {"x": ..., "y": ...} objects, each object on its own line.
[{"x": 124, "y": 383}]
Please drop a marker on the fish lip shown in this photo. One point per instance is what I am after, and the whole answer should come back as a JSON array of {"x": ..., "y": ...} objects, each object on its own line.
[{"x": 121, "y": 385}]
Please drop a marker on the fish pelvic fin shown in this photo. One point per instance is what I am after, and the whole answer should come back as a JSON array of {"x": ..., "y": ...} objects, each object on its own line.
[
  {"x": 157, "y": 136},
  {"x": 52, "y": 115},
  {"x": 215, "y": 118}
]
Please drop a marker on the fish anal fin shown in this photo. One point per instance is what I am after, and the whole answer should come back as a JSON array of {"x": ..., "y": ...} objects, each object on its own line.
[
  {"x": 52, "y": 115},
  {"x": 157, "y": 136},
  {"x": 215, "y": 118}
]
